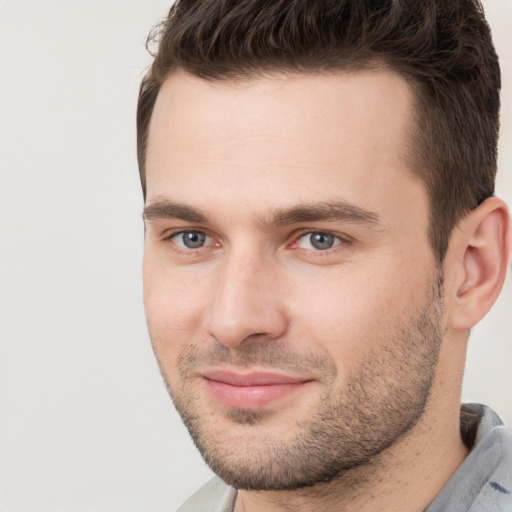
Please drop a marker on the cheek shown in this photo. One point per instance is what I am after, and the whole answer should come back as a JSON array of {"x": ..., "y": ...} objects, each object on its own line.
[
  {"x": 174, "y": 305},
  {"x": 350, "y": 314}
]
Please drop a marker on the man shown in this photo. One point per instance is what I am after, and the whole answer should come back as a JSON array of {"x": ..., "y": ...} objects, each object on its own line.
[{"x": 321, "y": 236}]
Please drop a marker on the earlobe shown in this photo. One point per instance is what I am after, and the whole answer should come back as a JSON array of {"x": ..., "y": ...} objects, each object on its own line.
[{"x": 484, "y": 241}]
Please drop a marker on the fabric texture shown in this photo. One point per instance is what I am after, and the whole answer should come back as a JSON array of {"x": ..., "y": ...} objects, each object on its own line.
[{"x": 482, "y": 483}]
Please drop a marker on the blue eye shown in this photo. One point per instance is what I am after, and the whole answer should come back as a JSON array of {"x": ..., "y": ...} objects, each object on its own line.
[
  {"x": 318, "y": 241},
  {"x": 190, "y": 239}
]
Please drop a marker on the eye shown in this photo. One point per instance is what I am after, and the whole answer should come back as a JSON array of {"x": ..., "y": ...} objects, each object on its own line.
[
  {"x": 191, "y": 239},
  {"x": 318, "y": 241}
]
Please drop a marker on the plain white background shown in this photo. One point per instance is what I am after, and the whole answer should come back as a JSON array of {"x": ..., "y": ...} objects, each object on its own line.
[{"x": 85, "y": 421}]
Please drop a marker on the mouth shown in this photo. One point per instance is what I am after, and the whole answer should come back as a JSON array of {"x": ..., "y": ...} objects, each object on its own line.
[{"x": 251, "y": 390}]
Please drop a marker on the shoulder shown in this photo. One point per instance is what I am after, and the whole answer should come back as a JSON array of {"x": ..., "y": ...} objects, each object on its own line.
[
  {"x": 496, "y": 461},
  {"x": 483, "y": 482},
  {"x": 490, "y": 469},
  {"x": 215, "y": 496}
]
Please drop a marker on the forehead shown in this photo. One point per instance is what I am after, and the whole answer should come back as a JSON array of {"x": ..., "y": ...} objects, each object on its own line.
[{"x": 290, "y": 137}]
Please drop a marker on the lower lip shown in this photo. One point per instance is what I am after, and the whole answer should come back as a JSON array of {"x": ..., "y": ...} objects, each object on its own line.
[{"x": 250, "y": 397}]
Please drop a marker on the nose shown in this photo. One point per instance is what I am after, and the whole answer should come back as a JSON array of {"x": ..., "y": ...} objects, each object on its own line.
[{"x": 246, "y": 305}]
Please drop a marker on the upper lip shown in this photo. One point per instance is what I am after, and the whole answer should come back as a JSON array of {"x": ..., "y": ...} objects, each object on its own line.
[{"x": 256, "y": 378}]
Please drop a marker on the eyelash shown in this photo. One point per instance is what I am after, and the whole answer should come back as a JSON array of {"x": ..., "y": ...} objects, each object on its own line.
[
  {"x": 339, "y": 242},
  {"x": 188, "y": 250}
]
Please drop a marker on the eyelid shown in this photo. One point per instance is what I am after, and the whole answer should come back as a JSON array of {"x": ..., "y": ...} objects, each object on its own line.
[
  {"x": 173, "y": 233},
  {"x": 344, "y": 239},
  {"x": 169, "y": 234}
]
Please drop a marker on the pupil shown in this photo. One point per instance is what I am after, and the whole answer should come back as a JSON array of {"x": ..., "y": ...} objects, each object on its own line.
[
  {"x": 193, "y": 240},
  {"x": 322, "y": 241}
]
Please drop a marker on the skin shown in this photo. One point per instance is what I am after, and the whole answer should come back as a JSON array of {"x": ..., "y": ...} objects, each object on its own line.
[{"x": 238, "y": 162}]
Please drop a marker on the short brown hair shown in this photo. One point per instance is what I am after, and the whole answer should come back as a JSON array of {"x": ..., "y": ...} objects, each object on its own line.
[{"x": 443, "y": 48}]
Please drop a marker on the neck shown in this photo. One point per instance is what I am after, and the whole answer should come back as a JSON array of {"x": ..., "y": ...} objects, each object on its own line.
[{"x": 410, "y": 473}]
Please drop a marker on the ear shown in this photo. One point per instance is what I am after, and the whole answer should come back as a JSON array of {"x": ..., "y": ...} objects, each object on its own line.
[{"x": 482, "y": 247}]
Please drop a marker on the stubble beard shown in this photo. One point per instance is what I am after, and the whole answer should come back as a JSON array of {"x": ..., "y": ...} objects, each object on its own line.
[{"x": 376, "y": 407}]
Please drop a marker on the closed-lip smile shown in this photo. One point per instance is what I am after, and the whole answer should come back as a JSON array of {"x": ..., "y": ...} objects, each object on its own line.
[{"x": 251, "y": 390}]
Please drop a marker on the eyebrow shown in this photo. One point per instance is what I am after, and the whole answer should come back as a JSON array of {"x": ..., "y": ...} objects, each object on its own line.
[
  {"x": 331, "y": 211},
  {"x": 328, "y": 211},
  {"x": 163, "y": 209}
]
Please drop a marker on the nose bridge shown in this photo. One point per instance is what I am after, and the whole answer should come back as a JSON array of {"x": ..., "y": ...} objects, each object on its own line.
[{"x": 245, "y": 303}]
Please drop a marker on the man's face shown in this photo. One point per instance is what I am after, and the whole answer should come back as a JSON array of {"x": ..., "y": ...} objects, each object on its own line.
[{"x": 292, "y": 297}]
